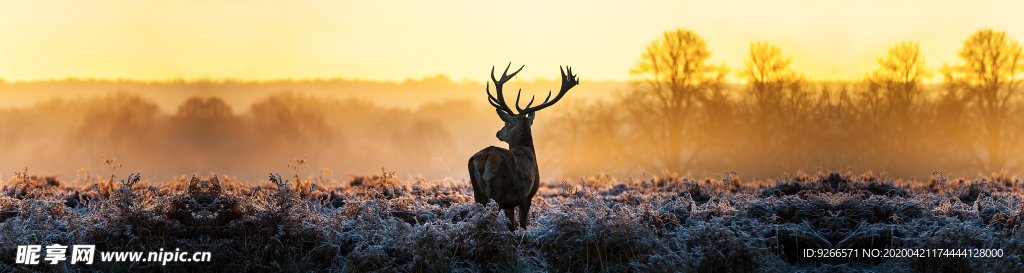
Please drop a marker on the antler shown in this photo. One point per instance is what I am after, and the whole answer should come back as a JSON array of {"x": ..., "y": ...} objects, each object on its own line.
[
  {"x": 499, "y": 102},
  {"x": 568, "y": 82}
]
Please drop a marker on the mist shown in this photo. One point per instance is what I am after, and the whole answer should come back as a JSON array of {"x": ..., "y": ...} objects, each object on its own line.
[
  {"x": 835, "y": 126},
  {"x": 424, "y": 128}
]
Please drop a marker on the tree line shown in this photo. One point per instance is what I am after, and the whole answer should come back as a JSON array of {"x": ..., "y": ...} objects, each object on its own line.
[{"x": 681, "y": 115}]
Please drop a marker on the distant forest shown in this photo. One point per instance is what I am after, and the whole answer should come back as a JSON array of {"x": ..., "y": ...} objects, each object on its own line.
[{"x": 678, "y": 114}]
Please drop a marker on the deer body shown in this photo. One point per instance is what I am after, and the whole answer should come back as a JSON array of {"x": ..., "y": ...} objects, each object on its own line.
[{"x": 510, "y": 176}]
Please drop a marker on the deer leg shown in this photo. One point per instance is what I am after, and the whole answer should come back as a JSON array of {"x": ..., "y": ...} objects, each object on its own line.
[
  {"x": 524, "y": 214},
  {"x": 510, "y": 213},
  {"x": 474, "y": 176}
]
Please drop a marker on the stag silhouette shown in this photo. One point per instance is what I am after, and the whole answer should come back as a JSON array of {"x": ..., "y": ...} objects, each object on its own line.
[{"x": 510, "y": 176}]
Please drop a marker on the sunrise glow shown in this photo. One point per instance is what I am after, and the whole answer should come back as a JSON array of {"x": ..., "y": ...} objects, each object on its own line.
[{"x": 395, "y": 40}]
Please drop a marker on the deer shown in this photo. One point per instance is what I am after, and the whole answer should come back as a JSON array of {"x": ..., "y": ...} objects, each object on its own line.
[{"x": 510, "y": 176}]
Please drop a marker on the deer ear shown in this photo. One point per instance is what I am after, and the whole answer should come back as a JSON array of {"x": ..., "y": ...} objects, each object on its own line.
[
  {"x": 530, "y": 116},
  {"x": 504, "y": 116}
]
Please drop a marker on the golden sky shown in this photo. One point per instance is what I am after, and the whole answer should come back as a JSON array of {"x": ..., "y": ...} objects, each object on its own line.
[{"x": 395, "y": 40}]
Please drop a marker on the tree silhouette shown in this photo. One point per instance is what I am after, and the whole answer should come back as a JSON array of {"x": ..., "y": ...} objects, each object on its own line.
[
  {"x": 768, "y": 74},
  {"x": 667, "y": 102},
  {"x": 899, "y": 77},
  {"x": 293, "y": 124},
  {"x": 117, "y": 123},
  {"x": 890, "y": 104},
  {"x": 988, "y": 82},
  {"x": 776, "y": 98},
  {"x": 205, "y": 123},
  {"x": 202, "y": 109}
]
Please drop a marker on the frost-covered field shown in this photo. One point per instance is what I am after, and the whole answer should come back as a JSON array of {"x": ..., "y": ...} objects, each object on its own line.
[{"x": 665, "y": 223}]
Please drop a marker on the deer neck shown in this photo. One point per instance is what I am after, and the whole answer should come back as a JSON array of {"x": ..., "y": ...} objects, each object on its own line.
[{"x": 523, "y": 140}]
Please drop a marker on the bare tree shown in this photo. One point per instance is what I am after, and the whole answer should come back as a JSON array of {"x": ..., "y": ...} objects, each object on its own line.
[
  {"x": 668, "y": 101},
  {"x": 890, "y": 105},
  {"x": 899, "y": 77},
  {"x": 776, "y": 98},
  {"x": 769, "y": 75},
  {"x": 989, "y": 83}
]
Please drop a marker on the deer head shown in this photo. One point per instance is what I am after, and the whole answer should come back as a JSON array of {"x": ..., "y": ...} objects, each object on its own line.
[{"x": 516, "y": 131}]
